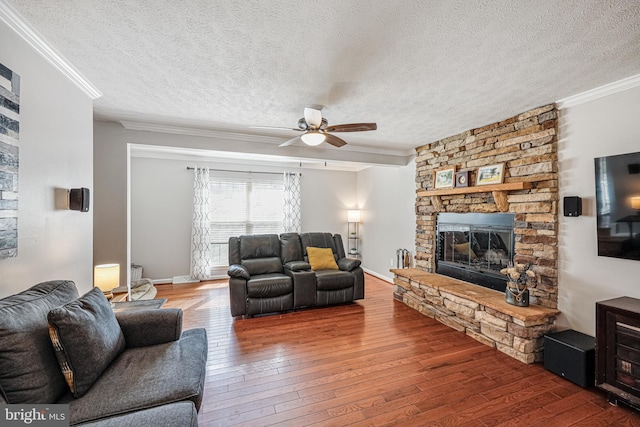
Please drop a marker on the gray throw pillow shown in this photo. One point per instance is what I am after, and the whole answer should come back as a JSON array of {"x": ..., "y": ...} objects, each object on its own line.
[
  {"x": 29, "y": 371},
  {"x": 86, "y": 338}
]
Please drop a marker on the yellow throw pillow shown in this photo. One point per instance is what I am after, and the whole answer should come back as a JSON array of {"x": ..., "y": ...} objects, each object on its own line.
[
  {"x": 464, "y": 248},
  {"x": 321, "y": 259}
]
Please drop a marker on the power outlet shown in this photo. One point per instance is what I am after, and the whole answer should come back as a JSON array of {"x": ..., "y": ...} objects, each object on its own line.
[{"x": 391, "y": 262}]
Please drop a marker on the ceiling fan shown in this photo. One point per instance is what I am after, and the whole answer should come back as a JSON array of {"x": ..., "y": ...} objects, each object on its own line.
[{"x": 316, "y": 130}]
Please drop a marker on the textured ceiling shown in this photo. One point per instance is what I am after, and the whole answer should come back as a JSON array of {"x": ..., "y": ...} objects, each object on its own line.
[{"x": 422, "y": 70}]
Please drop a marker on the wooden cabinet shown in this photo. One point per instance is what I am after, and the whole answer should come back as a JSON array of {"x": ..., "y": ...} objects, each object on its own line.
[{"x": 618, "y": 349}]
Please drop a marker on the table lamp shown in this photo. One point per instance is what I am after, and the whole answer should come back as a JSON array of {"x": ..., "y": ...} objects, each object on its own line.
[
  {"x": 635, "y": 204},
  {"x": 106, "y": 277}
]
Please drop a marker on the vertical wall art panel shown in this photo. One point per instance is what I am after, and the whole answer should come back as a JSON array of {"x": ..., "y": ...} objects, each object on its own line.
[{"x": 9, "y": 130}]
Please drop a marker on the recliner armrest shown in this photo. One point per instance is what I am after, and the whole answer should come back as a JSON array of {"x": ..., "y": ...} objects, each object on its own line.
[
  {"x": 239, "y": 271},
  {"x": 348, "y": 264},
  {"x": 297, "y": 266},
  {"x": 149, "y": 327}
]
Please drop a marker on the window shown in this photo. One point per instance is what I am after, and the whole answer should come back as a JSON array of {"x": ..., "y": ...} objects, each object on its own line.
[{"x": 250, "y": 204}]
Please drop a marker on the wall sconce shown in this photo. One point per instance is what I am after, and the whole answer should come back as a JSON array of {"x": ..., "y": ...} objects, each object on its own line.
[
  {"x": 353, "y": 215},
  {"x": 79, "y": 199},
  {"x": 106, "y": 277}
]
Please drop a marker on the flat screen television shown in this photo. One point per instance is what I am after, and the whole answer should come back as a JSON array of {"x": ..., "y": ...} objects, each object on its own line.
[{"x": 618, "y": 205}]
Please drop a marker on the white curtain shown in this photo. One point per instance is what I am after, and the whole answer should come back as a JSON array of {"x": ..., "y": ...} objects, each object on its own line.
[
  {"x": 201, "y": 226},
  {"x": 291, "y": 203}
]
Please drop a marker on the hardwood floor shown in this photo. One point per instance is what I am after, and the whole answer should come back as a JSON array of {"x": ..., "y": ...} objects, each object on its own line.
[{"x": 372, "y": 363}]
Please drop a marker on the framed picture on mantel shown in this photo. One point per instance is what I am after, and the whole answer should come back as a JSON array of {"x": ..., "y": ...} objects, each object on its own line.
[
  {"x": 492, "y": 174},
  {"x": 444, "y": 178}
]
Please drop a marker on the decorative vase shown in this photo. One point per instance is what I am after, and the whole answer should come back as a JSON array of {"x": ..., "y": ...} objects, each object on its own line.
[{"x": 517, "y": 296}]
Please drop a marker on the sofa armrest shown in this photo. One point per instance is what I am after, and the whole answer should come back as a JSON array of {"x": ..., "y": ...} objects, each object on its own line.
[
  {"x": 239, "y": 271},
  {"x": 149, "y": 327},
  {"x": 348, "y": 264},
  {"x": 297, "y": 266},
  {"x": 238, "y": 296}
]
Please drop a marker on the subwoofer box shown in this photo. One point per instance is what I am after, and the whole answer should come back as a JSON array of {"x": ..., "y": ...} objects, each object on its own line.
[{"x": 571, "y": 355}]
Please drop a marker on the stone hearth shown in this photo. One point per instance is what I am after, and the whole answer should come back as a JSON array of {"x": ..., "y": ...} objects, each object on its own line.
[{"x": 479, "y": 312}]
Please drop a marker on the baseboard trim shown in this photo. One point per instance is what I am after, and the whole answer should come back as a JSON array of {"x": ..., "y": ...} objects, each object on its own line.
[{"x": 378, "y": 275}]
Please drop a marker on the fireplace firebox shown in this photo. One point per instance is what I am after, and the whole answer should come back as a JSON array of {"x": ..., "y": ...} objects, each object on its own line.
[{"x": 474, "y": 247}]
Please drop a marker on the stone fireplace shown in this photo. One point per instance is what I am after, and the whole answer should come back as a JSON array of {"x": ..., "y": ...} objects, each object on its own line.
[{"x": 527, "y": 146}]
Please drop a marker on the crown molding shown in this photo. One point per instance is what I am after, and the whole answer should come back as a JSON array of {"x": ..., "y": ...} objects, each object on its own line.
[
  {"x": 191, "y": 131},
  {"x": 20, "y": 26},
  {"x": 245, "y": 137},
  {"x": 599, "y": 92}
]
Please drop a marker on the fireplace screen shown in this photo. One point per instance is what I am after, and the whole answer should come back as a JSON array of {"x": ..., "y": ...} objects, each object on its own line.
[{"x": 475, "y": 247}]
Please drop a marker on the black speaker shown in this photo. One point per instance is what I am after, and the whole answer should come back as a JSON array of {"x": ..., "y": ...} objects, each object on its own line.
[
  {"x": 572, "y": 206},
  {"x": 571, "y": 355},
  {"x": 79, "y": 199}
]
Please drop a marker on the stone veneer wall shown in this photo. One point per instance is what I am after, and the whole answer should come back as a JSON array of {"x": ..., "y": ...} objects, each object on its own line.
[{"x": 527, "y": 144}]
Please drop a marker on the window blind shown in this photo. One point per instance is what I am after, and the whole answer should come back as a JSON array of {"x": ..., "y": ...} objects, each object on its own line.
[{"x": 250, "y": 204}]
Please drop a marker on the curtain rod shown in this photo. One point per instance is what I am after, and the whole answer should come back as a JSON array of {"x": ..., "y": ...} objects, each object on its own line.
[{"x": 227, "y": 170}]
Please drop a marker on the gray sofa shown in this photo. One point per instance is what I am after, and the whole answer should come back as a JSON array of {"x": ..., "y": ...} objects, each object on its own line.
[
  {"x": 157, "y": 377},
  {"x": 270, "y": 273}
]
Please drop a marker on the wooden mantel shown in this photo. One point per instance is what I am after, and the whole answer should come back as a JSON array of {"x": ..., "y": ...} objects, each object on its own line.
[{"x": 499, "y": 193}]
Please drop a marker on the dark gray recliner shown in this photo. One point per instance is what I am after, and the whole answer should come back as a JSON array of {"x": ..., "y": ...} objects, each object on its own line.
[
  {"x": 335, "y": 286},
  {"x": 257, "y": 282},
  {"x": 270, "y": 274}
]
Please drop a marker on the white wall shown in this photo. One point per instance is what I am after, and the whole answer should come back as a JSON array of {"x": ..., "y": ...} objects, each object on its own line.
[
  {"x": 603, "y": 127},
  {"x": 387, "y": 197},
  {"x": 161, "y": 199},
  {"x": 56, "y": 153}
]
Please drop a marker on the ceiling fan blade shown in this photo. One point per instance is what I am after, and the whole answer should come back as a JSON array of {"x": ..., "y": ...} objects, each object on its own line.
[
  {"x": 334, "y": 140},
  {"x": 313, "y": 117},
  {"x": 274, "y": 128},
  {"x": 352, "y": 127},
  {"x": 289, "y": 142}
]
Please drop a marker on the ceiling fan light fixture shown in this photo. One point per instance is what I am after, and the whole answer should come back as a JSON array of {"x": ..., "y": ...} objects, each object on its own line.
[{"x": 313, "y": 138}]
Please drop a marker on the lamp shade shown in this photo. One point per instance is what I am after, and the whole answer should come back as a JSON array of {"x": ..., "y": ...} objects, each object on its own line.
[
  {"x": 106, "y": 276},
  {"x": 313, "y": 138},
  {"x": 635, "y": 202},
  {"x": 353, "y": 215}
]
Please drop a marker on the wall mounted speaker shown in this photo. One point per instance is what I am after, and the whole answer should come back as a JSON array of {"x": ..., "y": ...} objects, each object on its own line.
[
  {"x": 79, "y": 199},
  {"x": 572, "y": 206}
]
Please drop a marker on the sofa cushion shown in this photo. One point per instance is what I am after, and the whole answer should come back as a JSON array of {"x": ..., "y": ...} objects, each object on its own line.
[
  {"x": 146, "y": 377},
  {"x": 263, "y": 265},
  {"x": 259, "y": 246},
  {"x": 321, "y": 259},
  {"x": 290, "y": 247},
  {"x": 331, "y": 280},
  {"x": 317, "y": 240},
  {"x": 269, "y": 285},
  {"x": 86, "y": 337},
  {"x": 181, "y": 414},
  {"x": 29, "y": 371}
]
